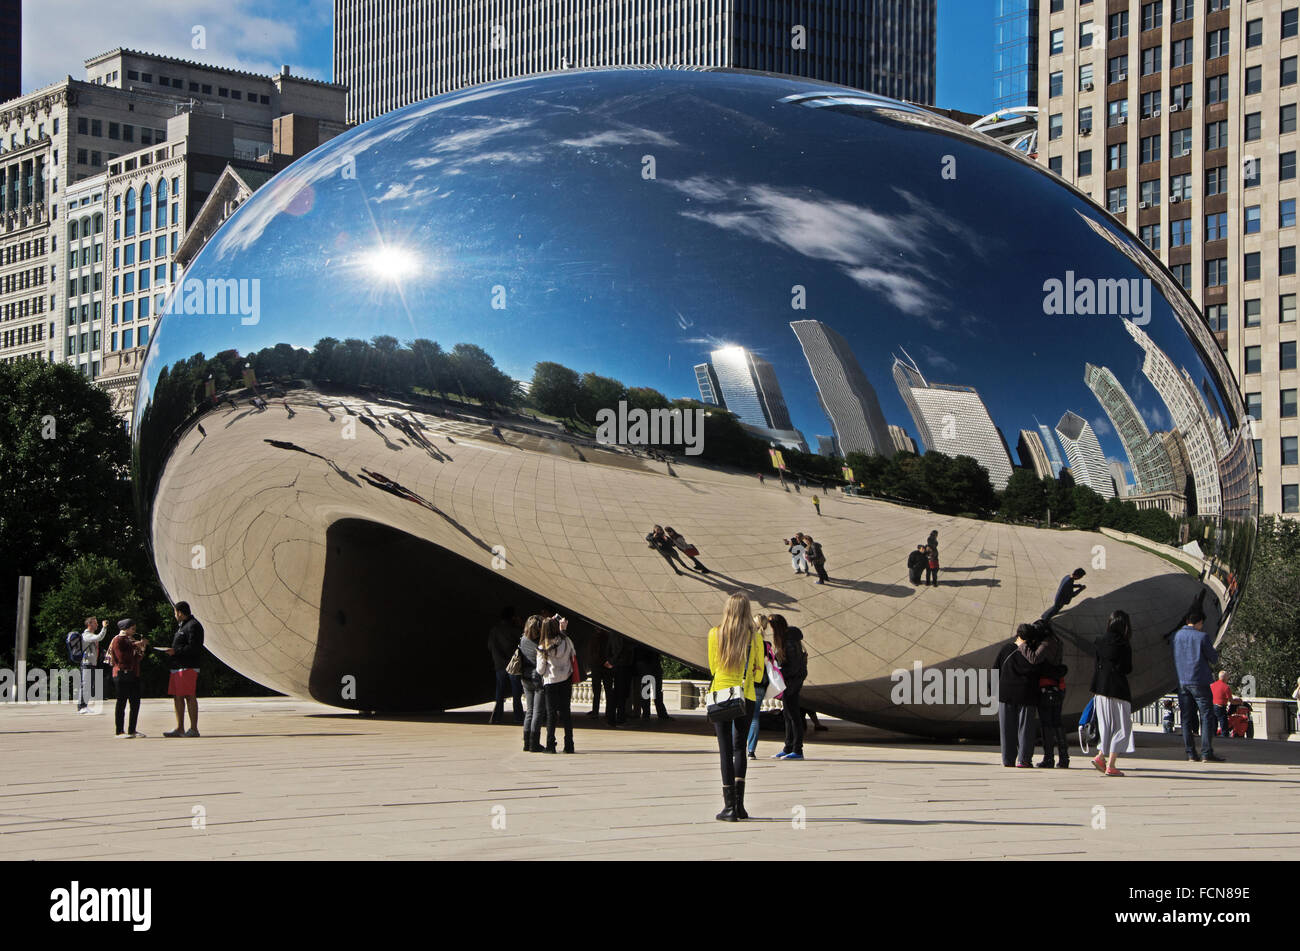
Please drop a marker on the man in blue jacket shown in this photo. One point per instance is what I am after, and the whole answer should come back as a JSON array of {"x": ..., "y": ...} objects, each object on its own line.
[
  {"x": 1065, "y": 593},
  {"x": 1194, "y": 654}
]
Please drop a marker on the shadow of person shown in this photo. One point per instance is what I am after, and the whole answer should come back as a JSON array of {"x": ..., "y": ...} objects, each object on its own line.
[{"x": 872, "y": 587}]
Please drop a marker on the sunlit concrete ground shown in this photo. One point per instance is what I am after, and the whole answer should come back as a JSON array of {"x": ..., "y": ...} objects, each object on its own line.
[{"x": 286, "y": 779}]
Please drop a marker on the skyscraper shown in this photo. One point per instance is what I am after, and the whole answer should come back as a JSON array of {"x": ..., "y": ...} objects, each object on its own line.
[
  {"x": 1147, "y": 457},
  {"x": 953, "y": 420},
  {"x": 1120, "y": 478},
  {"x": 902, "y": 442},
  {"x": 845, "y": 393},
  {"x": 748, "y": 388},
  {"x": 1087, "y": 461},
  {"x": 11, "y": 49},
  {"x": 1053, "y": 454},
  {"x": 394, "y": 52},
  {"x": 1180, "y": 118},
  {"x": 707, "y": 380},
  {"x": 1033, "y": 456},
  {"x": 1015, "y": 54},
  {"x": 1190, "y": 417}
]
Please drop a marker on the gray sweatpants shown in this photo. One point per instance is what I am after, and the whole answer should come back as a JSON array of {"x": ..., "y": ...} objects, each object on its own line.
[{"x": 1018, "y": 727}]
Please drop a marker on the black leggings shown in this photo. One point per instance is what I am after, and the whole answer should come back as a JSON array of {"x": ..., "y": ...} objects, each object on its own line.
[
  {"x": 557, "y": 709},
  {"x": 793, "y": 717},
  {"x": 731, "y": 745},
  {"x": 127, "y": 686}
]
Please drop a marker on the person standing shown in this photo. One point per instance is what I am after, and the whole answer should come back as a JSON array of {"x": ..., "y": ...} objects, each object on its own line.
[
  {"x": 817, "y": 504},
  {"x": 1065, "y": 593},
  {"x": 798, "y": 554},
  {"x": 932, "y": 566},
  {"x": 735, "y": 660},
  {"x": 602, "y": 672},
  {"x": 917, "y": 562},
  {"x": 686, "y": 548},
  {"x": 1051, "y": 686},
  {"x": 555, "y": 666},
  {"x": 534, "y": 689},
  {"x": 622, "y": 653},
  {"x": 1193, "y": 654},
  {"x": 125, "y": 652},
  {"x": 503, "y": 638},
  {"x": 660, "y": 542},
  {"x": 90, "y": 640},
  {"x": 186, "y": 655},
  {"x": 649, "y": 670},
  {"x": 787, "y": 644},
  {"x": 933, "y": 541},
  {"x": 1221, "y": 694},
  {"x": 1017, "y": 699},
  {"x": 816, "y": 558},
  {"x": 1112, "y": 701},
  {"x": 761, "y": 688}
]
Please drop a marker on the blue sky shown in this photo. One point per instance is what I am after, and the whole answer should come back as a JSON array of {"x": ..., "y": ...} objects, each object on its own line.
[{"x": 261, "y": 35}]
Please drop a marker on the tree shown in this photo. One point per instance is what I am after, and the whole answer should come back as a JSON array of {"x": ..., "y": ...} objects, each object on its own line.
[
  {"x": 555, "y": 389},
  {"x": 64, "y": 486},
  {"x": 1086, "y": 508},
  {"x": 1025, "y": 496},
  {"x": 643, "y": 397},
  {"x": 1264, "y": 639},
  {"x": 597, "y": 393},
  {"x": 1062, "y": 497}
]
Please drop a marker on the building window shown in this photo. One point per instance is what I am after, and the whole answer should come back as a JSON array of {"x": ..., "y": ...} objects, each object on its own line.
[
  {"x": 1056, "y": 84},
  {"x": 1117, "y": 112},
  {"x": 1180, "y": 232},
  {"x": 1183, "y": 53},
  {"x": 1252, "y": 220},
  {"x": 1250, "y": 266},
  {"x": 130, "y": 212},
  {"x": 1254, "y": 79},
  {"x": 1286, "y": 167},
  {"x": 1286, "y": 260},
  {"x": 1151, "y": 60},
  {"x": 1216, "y": 135},
  {"x": 1216, "y": 226},
  {"x": 1180, "y": 142},
  {"x": 1290, "y": 499},
  {"x": 1117, "y": 199},
  {"x": 1254, "y": 127},
  {"x": 1054, "y": 164},
  {"x": 1286, "y": 355},
  {"x": 1286, "y": 309},
  {"x": 1151, "y": 236},
  {"x": 1117, "y": 69},
  {"x": 1085, "y": 77},
  {"x": 1289, "y": 18},
  {"x": 1150, "y": 145},
  {"x": 1216, "y": 272},
  {"x": 1216, "y": 180},
  {"x": 1216, "y": 315},
  {"x": 1149, "y": 192},
  {"x": 1085, "y": 162},
  {"x": 1255, "y": 405},
  {"x": 1288, "y": 71},
  {"x": 1216, "y": 88},
  {"x": 1085, "y": 119},
  {"x": 1288, "y": 404},
  {"x": 1250, "y": 312},
  {"x": 1150, "y": 104},
  {"x": 1254, "y": 33},
  {"x": 1252, "y": 359},
  {"x": 1183, "y": 10},
  {"x": 1181, "y": 95},
  {"x": 1117, "y": 156},
  {"x": 1152, "y": 14},
  {"x": 1216, "y": 43},
  {"x": 1085, "y": 37},
  {"x": 1117, "y": 25},
  {"x": 1055, "y": 126},
  {"x": 1287, "y": 120}
]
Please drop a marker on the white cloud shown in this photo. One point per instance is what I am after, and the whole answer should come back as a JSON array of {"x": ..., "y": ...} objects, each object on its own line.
[
  {"x": 1101, "y": 426},
  {"x": 59, "y": 35}
]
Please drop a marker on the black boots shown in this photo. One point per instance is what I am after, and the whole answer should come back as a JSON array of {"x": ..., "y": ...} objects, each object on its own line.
[
  {"x": 728, "y": 813},
  {"x": 528, "y": 741},
  {"x": 568, "y": 745},
  {"x": 740, "y": 799},
  {"x": 533, "y": 742}
]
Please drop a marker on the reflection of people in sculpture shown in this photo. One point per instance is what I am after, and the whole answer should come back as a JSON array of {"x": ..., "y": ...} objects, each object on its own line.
[
  {"x": 686, "y": 548},
  {"x": 503, "y": 638},
  {"x": 916, "y": 563},
  {"x": 798, "y": 554},
  {"x": 648, "y": 666},
  {"x": 1065, "y": 593},
  {"x": 602, "y": 672},
  {"x": 660, "y": 542}
]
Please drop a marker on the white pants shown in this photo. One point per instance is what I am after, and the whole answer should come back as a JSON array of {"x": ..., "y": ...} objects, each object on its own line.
[{"x": 799, "y": 563}]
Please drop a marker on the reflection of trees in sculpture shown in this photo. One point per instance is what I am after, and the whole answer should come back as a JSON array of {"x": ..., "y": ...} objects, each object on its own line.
[{"x": 947, "y": 484}]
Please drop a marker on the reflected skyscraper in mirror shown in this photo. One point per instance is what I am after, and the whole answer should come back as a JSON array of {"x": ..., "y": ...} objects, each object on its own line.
[
  {"x": 847, "y": 397},
  {"x": 1087, "y": 461}
]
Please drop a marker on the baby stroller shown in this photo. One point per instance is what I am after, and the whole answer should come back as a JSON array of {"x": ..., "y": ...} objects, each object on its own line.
[{"x": 1088, "y": 732}]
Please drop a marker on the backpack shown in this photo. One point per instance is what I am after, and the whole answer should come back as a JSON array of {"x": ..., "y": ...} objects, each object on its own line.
[{"x": 76, "y": 647}]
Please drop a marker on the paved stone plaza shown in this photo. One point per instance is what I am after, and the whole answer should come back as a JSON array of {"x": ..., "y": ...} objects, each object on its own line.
[{"x": 286, "y": 779}]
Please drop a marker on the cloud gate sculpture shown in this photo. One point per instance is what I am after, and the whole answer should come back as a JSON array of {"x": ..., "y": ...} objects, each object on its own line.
[{"x": 470, "y": 353}]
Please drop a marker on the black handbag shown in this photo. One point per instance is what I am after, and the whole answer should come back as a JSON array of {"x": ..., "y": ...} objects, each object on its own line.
[{"x": 728, "y": 705}]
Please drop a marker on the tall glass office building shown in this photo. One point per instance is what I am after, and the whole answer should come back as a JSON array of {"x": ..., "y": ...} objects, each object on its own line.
[
  {"x": 1015, "y": 54},
  {"x": 390, "y": 53}
]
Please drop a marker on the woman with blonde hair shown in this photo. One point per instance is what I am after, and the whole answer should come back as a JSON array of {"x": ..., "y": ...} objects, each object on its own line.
[
  {"x": 555, "y": 666},
  {"x": 735, "y": 660}
]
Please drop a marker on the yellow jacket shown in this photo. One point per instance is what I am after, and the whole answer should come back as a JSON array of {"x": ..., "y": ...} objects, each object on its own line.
[{"x": 722, "y": 679}]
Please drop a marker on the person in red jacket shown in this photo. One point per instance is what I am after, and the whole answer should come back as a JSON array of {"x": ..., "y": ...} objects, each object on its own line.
[
  {"x": 125, "y": 652},
  {"x": 1221, "y": 694}
]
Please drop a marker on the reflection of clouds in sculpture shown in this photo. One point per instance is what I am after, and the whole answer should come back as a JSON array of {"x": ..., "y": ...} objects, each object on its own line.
[
  {"x": 879, "y": 250},
  {"x": 624, "y": 136}
]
